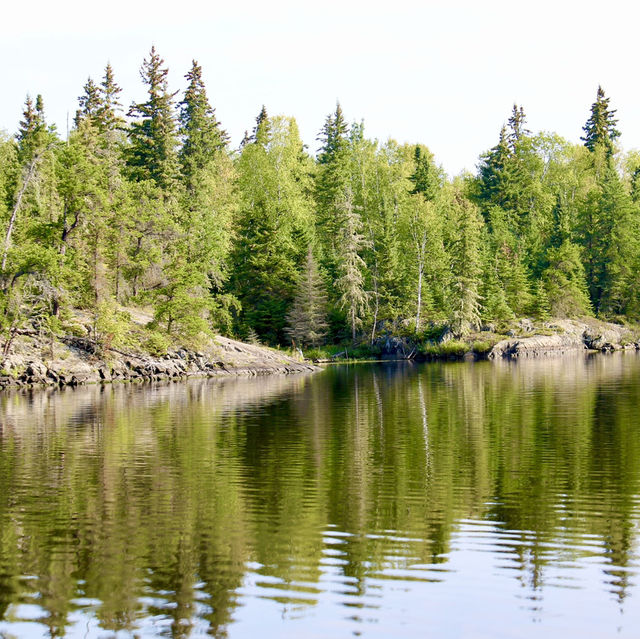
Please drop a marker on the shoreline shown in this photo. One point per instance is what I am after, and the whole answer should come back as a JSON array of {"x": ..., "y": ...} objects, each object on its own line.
[
  {"x": 72, "y": 361},
  {"x": 74, "y": 364}
]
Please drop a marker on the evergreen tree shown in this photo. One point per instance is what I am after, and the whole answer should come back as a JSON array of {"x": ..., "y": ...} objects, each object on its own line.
[
  {"x": 425, "y": 177},
  {"x": 307, "y": 324},
  {"x": 109, "y": 109},
  {"x": 274, "y": 226},
  {"x": 333, "y": 136},
  {"x": 350, "y": 284},
  {"x": 493, "y": 173},
  {"x": 90, "y": 102},
  {"x": 332, "y": 178},
  {"x": 517, "y": 130},
  {"x": 466, "y": 265},
  {"x": 199, "y": 128},
  {"x": 152, "y": 153},
  {"x": 600, "y": 129},
  {"x": 541, "y": 308},
  {"x": 494, "y": 299},
  {"x": 191, "y": 298},
  {"x": 565, "y": 282},
  {"x": 32, "y": 134},
  {"x": 261, "y": 131}
]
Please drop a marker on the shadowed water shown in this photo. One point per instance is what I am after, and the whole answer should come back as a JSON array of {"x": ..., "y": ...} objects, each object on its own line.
[{"x": 437, "y": 500}]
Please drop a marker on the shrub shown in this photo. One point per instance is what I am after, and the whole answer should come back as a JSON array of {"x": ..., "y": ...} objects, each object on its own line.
[{"x": 156, "y": 343}]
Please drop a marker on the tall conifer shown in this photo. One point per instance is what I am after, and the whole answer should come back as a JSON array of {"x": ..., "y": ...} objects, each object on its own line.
[{"x": 153, "y": 151}]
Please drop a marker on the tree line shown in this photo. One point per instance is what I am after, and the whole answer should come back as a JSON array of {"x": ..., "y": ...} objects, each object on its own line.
[{"x": 151, "y": 206}]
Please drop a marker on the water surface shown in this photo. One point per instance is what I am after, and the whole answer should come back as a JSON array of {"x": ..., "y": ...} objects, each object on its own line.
[{"x": 438, "y": 500}]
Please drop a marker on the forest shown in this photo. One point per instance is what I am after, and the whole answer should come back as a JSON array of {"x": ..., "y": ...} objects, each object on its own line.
[{"x": 150, "y": 207}]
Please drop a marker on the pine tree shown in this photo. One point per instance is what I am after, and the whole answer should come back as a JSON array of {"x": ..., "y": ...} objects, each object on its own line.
[
  {"x": 600, "y": 129},
  {"x": 152, "y": 154},
  {"x": 307, "y": 317}
]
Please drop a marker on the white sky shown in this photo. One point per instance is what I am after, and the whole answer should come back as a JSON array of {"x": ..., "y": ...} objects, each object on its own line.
[{"x": 442, "y": 73}]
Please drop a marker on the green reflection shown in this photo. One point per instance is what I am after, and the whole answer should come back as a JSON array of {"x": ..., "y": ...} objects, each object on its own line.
[{"x": 173, "y": 502}]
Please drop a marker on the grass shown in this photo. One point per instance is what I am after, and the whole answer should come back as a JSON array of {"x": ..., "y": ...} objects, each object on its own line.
[{"x": 451, "y": 349}]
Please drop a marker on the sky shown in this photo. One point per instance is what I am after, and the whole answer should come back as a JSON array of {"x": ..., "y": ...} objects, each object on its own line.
[{"x": 445, "y": 74}]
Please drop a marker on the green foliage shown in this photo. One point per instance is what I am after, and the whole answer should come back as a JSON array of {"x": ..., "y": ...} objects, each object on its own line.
[
  {"x": 600, "y": 129},
  {"x": 307, "y": 318},
  {"x": 152, "y": 153},
  {"x": 159, "y": 211},
  {"x": 482, "y": 347},
  {"x": 110, "y": 326},
  {"x": 452, "y": 348},
  {"x": 156, "y": 343}
]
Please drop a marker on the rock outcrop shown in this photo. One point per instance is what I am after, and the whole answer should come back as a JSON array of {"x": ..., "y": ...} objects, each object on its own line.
[
  {"x": 74, "y": 362},
  {"x": 567, "y": 336}
]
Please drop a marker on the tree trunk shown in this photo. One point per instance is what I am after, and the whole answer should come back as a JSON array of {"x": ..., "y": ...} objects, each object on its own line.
[
  {"x": 14, "y": 213},
  {"x": 419, "y": 297}
]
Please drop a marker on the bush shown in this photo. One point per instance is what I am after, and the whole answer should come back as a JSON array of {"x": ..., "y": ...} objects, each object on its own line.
[
  {"x": 156, "y": 344},
  {"x": 111, "y": 326},
  {"x": 452, "y": 348},
  {"x": 481, "y": 347}
]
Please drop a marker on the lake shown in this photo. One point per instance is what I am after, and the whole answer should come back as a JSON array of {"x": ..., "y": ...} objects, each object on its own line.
[{"x": 488, "y": 499}]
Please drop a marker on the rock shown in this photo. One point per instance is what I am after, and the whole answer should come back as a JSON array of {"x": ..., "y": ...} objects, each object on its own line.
[
  {"x": 447, "y": 336},
  {"x": 36, "y": 369}
]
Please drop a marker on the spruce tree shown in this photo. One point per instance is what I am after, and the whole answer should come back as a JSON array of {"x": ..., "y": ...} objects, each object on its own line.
[
  {"x": 109, "y": 110},
  {"x": 273, "y": 227},
  {"x": 152, "y": 153},
  {"x": 89, "y": 102},
  {"x": 541, "y": 307},
  {"x": 600, "y": 129},
  {"x": 517, "y": 129},
  {"x": 307, "y": 323},
  {"x": 201, "y": 133},
  {"x": 32, "y": 132},
  {"x": 466, "y": 265},
  {"x": 425, "y": 177},
  {"x": 332, "y": 178},
  {"x": 565, "y": 282},
  {"x": 350, "y": 284}
]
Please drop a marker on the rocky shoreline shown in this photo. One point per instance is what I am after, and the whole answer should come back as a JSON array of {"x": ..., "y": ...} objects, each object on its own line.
[
  {"x": 569, "y": 336},
  {"x": 73, "y": 362}
]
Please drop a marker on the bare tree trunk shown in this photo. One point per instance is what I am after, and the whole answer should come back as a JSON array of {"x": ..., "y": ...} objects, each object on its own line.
[
  {"x": 419, "y": 297},
  {"x": 421, "y": 252},
  {"x": 14, "y": 213},
  {"x": 375, "y": 312}
]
